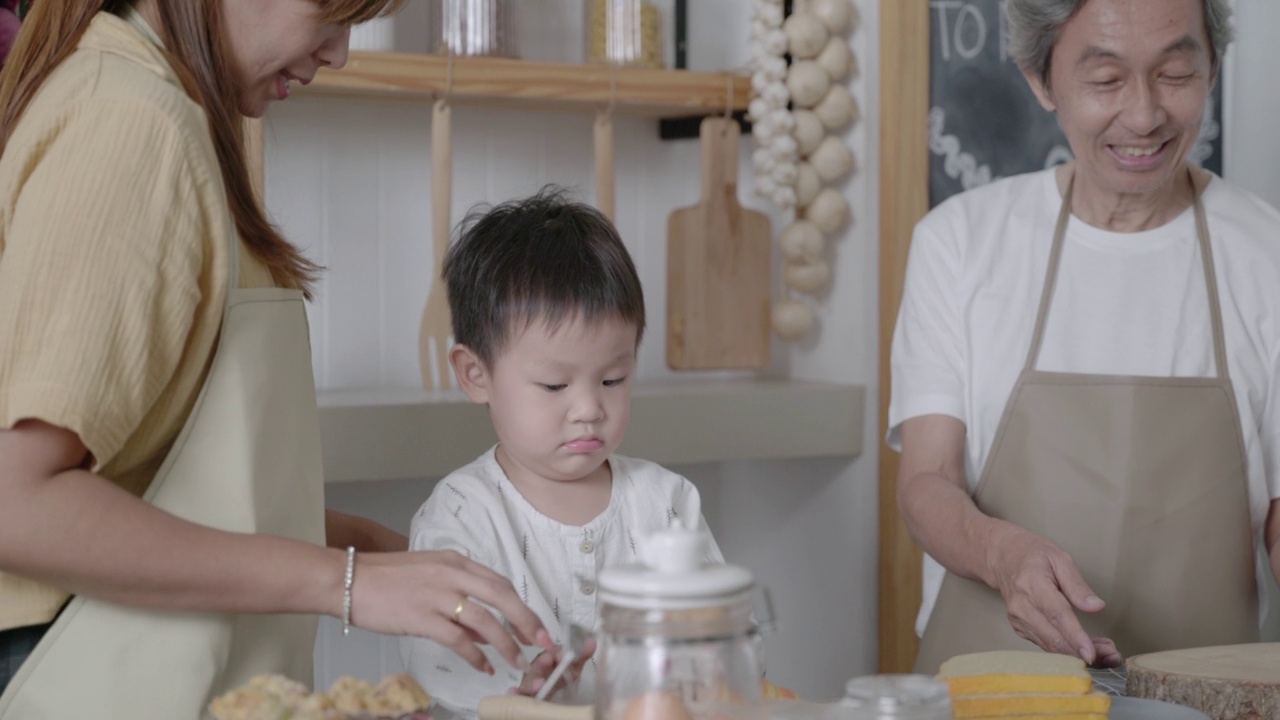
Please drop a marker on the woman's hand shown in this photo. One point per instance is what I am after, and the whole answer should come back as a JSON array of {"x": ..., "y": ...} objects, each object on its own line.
[
  {"x": 442, "y": 596},
  {"x": 1042, "y": 589},
  {"x": 541, "y": 667}
]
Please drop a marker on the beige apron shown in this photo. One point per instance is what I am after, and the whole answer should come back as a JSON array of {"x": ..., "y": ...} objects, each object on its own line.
[
  {"x": 1141, "y": 479},
  {"x": 247, "y": 460}
]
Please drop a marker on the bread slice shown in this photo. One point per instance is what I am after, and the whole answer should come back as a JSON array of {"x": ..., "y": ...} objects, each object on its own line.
[
  {"x": 1015, "y": 671},
  {"x": 1013, "y": 662},
  {"x": 967, "y": 707}
]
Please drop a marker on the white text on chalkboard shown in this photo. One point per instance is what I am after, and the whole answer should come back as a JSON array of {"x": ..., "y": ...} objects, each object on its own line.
[{"x": 963, "y": 30}]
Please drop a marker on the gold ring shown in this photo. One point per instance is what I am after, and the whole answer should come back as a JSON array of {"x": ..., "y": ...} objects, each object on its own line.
[{"x": 457, "y": 612}]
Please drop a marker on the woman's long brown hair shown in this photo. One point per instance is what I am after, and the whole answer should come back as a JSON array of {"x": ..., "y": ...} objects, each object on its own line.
[{"x": 199, "y": 52}]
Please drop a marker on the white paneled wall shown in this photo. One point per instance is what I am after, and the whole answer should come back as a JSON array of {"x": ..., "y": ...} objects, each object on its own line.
[{"x": 350, "y": 181}]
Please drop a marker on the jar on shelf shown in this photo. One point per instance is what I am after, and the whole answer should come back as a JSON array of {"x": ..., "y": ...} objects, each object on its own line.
[
  {"x": 624, "y": 32},
  {"x": 474, "y": 27}
]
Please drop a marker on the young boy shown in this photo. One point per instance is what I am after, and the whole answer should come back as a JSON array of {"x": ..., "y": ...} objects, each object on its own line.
[{"x": 547, "y": 316}]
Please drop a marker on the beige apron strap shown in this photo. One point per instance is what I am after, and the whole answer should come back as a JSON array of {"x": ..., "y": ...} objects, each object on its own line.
[
  {"x": 1210, "y": 282},
  {"x": 1050, "y": 275},
  {"x": 134, "y": 18},
  {"x": 233, "y": 268}
]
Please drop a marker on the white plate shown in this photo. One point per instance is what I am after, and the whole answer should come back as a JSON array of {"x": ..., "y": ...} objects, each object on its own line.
[{"x": 1127, "y": 708}]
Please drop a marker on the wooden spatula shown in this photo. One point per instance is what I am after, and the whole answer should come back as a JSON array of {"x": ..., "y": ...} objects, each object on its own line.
[
  {"x": 718, "y": 267},
  {"x": 435, "y": 334}
]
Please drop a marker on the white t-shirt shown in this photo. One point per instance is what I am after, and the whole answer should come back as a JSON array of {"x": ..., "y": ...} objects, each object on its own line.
[
  {"x": 479, "y": 513},
  {"x": 1125, "y": 303}
]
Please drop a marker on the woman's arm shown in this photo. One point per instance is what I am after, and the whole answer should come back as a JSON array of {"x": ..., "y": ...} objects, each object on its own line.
[
  {"x": 64, "y": 526},
  {"x": 1039, "y": 581},
  {"x": 69, "y": 528}
]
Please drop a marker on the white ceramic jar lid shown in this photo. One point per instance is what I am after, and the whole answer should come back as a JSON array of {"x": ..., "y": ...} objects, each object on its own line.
[{"x": 674, "y": 573}]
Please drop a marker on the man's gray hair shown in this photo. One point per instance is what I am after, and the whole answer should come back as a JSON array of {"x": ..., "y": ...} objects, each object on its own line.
[{"x": 1034, "y": 26}]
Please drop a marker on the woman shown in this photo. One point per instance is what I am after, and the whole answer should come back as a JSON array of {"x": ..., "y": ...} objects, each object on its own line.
[
  {"x": 159, "y": 453},
  {"x": 1087, "y": 363}
]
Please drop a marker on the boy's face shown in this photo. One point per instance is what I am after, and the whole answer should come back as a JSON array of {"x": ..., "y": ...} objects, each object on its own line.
[{"x": 560, "y": 400}]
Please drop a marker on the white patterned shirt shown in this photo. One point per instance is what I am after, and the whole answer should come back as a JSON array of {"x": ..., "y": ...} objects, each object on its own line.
[{"x": 480, "y": 514}]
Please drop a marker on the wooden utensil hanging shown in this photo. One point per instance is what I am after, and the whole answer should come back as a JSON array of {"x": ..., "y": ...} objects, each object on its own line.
[
  {"x": 435, "y": 335},
  {"x": 718, "y": 267},
  {"x": 602, "y": 135},
  {"x": 606, "y": 198}
]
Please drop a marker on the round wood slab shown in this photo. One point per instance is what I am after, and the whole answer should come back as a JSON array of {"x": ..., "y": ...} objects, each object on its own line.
[{"x": 1229, "y": 682}]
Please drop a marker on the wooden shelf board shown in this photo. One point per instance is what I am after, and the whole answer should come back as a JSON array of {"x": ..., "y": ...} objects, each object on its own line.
[
  {"x": 484, "y": 80},
  {"x": 389, "y": 435}
]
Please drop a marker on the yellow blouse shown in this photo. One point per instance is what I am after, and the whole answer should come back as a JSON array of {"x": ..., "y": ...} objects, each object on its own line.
[{"x": 114, "y": 232}]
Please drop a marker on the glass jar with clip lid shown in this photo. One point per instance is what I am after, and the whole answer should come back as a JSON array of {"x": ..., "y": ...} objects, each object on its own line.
[{"x": 678, "y": 641}]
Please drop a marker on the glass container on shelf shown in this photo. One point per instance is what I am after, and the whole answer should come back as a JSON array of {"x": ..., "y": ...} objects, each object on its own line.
[
  {"x": 474, "y": 27},
  {"x": 624, "y": 32}
]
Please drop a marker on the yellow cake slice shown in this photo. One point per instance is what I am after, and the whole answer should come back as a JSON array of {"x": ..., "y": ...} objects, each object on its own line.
[
  {"x": 998, "y": 684},
  {"x": 967, "y": 707},
  {"x": 1056, "y": 716}
]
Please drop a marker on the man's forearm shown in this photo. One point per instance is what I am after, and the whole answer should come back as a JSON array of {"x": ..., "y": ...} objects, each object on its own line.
[{"x": 944, "y": 520}]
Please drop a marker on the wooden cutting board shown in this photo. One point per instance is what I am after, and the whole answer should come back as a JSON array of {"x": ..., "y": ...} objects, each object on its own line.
[
  {"x": 718, "y": 267},
  {"x": 1229, "y": 682}
]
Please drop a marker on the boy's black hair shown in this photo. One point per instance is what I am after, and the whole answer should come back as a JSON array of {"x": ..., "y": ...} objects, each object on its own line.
[{"x": 542, "y": 258}]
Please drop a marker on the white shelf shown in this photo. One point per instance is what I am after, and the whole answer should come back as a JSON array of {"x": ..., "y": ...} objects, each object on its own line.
[{"x": 396, "y": 435}]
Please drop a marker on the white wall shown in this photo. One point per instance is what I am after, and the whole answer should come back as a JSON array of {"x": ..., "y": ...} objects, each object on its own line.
[
  {"x": 1251, "y": 155},
  {"x": 349, "y": 180},
  {"x": 1252, "y": 146}
]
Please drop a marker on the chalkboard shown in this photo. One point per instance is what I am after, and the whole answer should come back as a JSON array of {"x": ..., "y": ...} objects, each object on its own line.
[{"x": 984, "y": 121}]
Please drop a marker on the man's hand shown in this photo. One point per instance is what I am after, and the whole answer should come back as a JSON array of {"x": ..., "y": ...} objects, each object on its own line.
[{"x": 1042, "y": 590}]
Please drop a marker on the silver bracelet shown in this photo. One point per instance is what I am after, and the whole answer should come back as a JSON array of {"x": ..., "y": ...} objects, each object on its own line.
[{"x": 347, "y": 580}]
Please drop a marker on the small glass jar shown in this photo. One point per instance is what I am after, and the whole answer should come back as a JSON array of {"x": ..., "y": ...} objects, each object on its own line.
[
  {"x": 677, "y": 640},
  {"x": 894, "y": 697},
  {"x": 624, "y": 32},
  {"x": 474, "y": 28}
]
